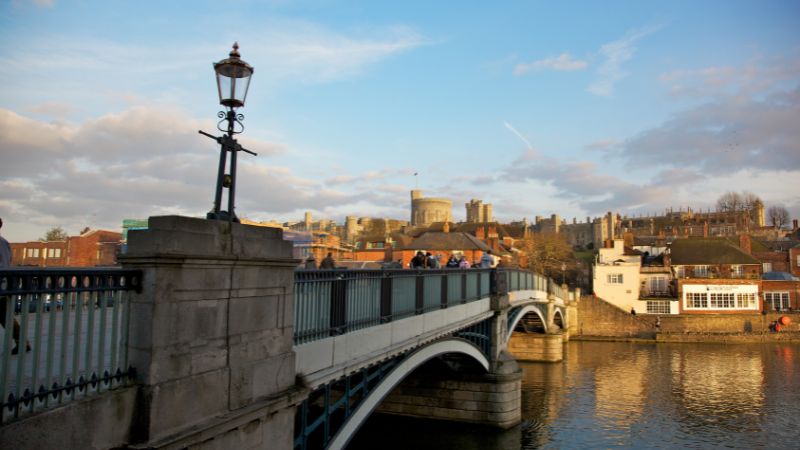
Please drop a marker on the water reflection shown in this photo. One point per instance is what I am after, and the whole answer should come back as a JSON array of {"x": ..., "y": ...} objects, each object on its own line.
[{"x": 625, "y": 395}]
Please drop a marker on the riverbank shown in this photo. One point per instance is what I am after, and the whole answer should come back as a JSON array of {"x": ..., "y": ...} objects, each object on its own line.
[{"x": 690, "y": 337}]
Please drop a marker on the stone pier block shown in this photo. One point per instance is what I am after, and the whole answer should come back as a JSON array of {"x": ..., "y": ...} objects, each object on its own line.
[{"x": 536, "y": 347}]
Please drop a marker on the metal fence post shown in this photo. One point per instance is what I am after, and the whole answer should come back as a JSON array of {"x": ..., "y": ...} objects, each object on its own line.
[
  {"x": 463, "y": 287},
  {"x": 419, "y": 294},
  {"x": 338, "y": 313},
  {"x": 386, "y": 297},
  {"x": 444, "y": 290}
]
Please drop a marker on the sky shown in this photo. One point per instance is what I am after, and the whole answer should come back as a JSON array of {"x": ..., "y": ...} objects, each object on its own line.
[{"x": 572, "y": 108}]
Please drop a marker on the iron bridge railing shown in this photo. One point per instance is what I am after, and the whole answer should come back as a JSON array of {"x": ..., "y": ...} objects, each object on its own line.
[
  {"x": 334, "y": 302},
  {"x": 64, "y": 335}
]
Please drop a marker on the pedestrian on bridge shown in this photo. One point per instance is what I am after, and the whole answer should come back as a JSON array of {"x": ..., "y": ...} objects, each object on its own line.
[
  {"x": 5, "y": 302},
  {"x": 328, "y": 262}
]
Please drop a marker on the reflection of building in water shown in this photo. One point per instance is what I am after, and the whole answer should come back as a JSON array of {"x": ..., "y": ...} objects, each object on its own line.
[
  {"x": 718, "y": 385},
  {"x": 620, "y": 389}
]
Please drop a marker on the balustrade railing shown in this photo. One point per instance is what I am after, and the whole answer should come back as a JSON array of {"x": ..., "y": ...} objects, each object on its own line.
[
  {"x": 334, "y": 302},
  {"x": 64, "y": 335}
]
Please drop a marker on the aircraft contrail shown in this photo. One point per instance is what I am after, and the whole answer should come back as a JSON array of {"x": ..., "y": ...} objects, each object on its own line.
[{"x": 513, "y": 130}]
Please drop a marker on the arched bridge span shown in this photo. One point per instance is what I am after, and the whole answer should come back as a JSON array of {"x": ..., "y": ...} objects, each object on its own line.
[{"x": 360, "y": 333}]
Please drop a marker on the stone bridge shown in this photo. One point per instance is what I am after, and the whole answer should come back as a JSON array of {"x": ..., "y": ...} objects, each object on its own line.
[{"x": 234, "y": 348}]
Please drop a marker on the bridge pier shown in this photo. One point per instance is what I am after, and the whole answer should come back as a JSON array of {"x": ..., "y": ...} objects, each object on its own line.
[
  {"x": 211, "y": 336},
  {"x": 490, "y": 399},
  {"x": 537, "y": 347},
  {"x": 453, "y": 392}
]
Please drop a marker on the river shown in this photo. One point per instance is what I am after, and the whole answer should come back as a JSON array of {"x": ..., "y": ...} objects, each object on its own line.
[{"x": 632, "y": 396}]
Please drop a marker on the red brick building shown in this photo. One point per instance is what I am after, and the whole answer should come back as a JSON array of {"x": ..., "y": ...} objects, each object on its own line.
[
  {"x": 794, "y": 261},
  {"x": 781, "y": 295},
  {"x": 92, "y": 248}
]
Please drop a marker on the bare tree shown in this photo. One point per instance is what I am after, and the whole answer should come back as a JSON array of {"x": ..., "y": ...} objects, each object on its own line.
[
  {"x": 735, "y": 202},
  {"x": 729, "y": 202},
  {"x": 548, "y": 254},
  {"x": 55, "y": 234},
  {"x": 778, "y": 216},
  {"x": 749, "y": 201}
]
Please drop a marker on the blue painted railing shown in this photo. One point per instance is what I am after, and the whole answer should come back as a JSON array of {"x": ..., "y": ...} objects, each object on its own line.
[
  {"x": 334, "y": 302},
  {"x": 65, "y": 335}
]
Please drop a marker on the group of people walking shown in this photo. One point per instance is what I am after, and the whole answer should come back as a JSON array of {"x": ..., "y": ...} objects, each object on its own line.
[
  {"x": 428, "y": 261},
  {"x": 422, "y": 260}
]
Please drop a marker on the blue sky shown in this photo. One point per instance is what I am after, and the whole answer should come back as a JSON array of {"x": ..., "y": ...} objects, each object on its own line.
[{"x": 536, "y": 107}]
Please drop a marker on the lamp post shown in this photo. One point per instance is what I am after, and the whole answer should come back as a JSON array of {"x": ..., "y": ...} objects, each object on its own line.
[{"x": 233, "y": 80}]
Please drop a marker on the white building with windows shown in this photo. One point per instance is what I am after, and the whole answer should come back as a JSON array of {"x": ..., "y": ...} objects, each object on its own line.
[
  {"x": 616, "y": 277},
  {"x": 719, "y": 296}
]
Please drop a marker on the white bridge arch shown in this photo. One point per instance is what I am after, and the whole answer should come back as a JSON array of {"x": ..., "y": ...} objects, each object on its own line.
[{"x": 397, "y": 375}]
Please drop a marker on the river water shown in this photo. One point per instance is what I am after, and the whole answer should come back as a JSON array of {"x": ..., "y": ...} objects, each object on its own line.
[{"x": 612, "y": 395}]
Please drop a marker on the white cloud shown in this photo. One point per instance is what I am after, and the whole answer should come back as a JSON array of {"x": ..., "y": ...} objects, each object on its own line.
[
  {"x": 725, "y": 135},
  {"x": 124, "y": 72},
  {"x": 756, "y": 77},
  {"x": 742, "y": 137},
  {"x": 614, "y": 55},
  {"x": 562, "y": 62},
  {"x": 127, "y": 165},
  {"x": 603, "y": 145}
]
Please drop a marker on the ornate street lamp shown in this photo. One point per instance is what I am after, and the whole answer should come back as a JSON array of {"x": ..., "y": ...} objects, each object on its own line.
[{"x": 233, "y": 81}]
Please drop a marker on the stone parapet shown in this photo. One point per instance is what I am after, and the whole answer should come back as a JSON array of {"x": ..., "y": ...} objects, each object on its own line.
[{"x": 211, "y": 332}]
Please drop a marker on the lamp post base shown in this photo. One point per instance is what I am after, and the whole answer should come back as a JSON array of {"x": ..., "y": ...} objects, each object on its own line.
[{"x": 222, "y": 215}]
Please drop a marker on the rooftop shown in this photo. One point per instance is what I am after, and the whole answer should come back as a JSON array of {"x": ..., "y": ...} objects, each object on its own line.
[{"x": 708, "y": 251}]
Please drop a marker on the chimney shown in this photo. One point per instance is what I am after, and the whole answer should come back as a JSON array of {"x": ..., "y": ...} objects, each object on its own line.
[
  {"x": 479, "y": 233},
  {"x": 446, "y": 227},
  {"x": 705, "y": 229},
  {"x": 744, "y": 243},
  {"x": 628, "y": 239}
]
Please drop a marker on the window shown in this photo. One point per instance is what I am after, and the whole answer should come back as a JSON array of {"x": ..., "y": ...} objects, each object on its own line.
[
  {"x": 746, "y": 301},
  {"x": 58, "y": 253},
  {"x": 723, "y": 300},
  {"x": 776, "y": 300},
  {"x": 658, "y": 285},
  {"x": 614, "y": 278},
  {"x": 700, "y": 271},
  {"x": 737, "y": 271},
  {"x": 767, "y": 267},
  {"x": 680, "y": 272},
  {"x": 696, "y": 300},
  {"x": 658, "y": 307}
]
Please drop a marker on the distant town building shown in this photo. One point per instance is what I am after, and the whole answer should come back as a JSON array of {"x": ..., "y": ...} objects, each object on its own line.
[
  {"x": 478, "y": 212},
  {"x": 425, "y": 211},
  {"x": 91, "y": 248},
  {"x": 591, "y": 234}
]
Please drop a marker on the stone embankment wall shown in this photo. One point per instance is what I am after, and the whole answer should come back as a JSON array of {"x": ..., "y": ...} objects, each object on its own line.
[
  {"x": 728, "y": 323},
  {"x": 597, "y": 317}
]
